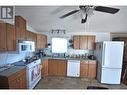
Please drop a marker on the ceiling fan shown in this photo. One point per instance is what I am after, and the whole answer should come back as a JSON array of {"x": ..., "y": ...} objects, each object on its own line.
[{"x": 86, "y": 10}]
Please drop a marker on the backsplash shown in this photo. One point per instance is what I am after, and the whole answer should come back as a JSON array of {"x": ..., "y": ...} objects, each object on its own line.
[
  {"x": 71, "y": 52},
  {"x": 7, "y": 57}
]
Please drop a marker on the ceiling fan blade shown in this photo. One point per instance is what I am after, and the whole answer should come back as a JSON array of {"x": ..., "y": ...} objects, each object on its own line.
[
  {"x": 68, "y": 14},
  {"x": 107, "y": 9},
  {"x": 84, "y": 20}
]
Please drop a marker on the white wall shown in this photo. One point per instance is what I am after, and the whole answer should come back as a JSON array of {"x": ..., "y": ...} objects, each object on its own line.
[{"x": 103, "y": 36}]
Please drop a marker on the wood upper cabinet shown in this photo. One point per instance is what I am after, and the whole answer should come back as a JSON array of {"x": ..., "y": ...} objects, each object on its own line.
[
  {"x": 7, "y": 37},
  {"x": 20, "y": 33},
  {"x": 31, "y": 36},
  {"x": 91, "y": 42},
  {"x": 41, "y": 41},
  {"x": 20, "y": 24},
  {"x": 92, "y": 69},
  {"x": 76, "y": 43},
  {"x": 45, "y": 68},
  {"x": 84, "y": 68},
  {"x": 11, "y": 37},
  {"x": 15, "y": 81},
  {"x": 57, "y": 67},
  {"x": 3, "y": 37},
  {"x": 84, "y": 42}
]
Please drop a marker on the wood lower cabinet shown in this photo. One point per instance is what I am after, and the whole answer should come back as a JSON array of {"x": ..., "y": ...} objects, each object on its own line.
[
  {"x": 92, "y": 69},
  {"x": 44, "y": 68},
  {"x": 84, "y": 68},
  {"x": 52, "y": 67},
  {"x": 57, "y": 67},
  {"x": 61, "y": 67},
  {"x": 15, "y": 81},
  {"x": 88, "y": 69}
]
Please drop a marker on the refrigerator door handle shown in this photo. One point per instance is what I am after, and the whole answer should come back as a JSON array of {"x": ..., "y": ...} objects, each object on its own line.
[{"x": 103, "y": 58}]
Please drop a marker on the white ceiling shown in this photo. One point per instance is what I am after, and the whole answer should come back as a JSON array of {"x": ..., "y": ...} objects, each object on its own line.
[{"x": 46, "y": 18}]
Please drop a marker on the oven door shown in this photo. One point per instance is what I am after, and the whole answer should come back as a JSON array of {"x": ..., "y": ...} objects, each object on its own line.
[{"x": 34, "y": 76}]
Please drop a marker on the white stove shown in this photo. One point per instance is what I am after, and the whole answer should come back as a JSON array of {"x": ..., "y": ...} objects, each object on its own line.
[
  {"x": 33, "y": 73},
  {"x": 33, "y": 70}
]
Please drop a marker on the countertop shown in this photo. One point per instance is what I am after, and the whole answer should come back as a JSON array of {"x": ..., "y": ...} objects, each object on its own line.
[
  {"x": 11, "y": 70},
  {"x": 81, "y": 59}
]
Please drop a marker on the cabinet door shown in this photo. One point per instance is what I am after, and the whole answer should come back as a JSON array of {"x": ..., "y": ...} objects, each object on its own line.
[
  {"x": 52, "y": 67},
  {"x": 83, "y": 42},
  {"x": 23, "y": 34},
  {"x": 34, "y": 37},
  {"x": 91, "y": 42},
  {"x": 92, "y": 69},
  {"x": 27, "y": 35},
  {"x": 41, "y": 41},
  {"x": 84, "y": 69},
  {"x": 20, "y": 22},
  {"x": 38, "y": 41},
  {"x": 11, "y": 39},
  {"x": 45, "y": 68},
  {"x": 22, "y": 80},
  {"x": 18, "y": 80},
  {"x": 3, "y": 46},
  {"x": 44, "y": 41},
  {"x": 61, "y": 67},
  {"x": 20, "y": 33},
  {"x": 76, "y": 43}
]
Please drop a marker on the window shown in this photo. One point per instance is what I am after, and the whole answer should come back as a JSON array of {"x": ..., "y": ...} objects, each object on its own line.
[{"x": 59, "y": 45}]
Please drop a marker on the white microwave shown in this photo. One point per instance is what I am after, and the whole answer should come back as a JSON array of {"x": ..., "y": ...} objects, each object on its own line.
[{"x": 26, "y": 46}]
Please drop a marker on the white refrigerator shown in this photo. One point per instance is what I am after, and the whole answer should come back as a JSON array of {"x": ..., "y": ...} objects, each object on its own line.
[{"x": 109, "y": 55}]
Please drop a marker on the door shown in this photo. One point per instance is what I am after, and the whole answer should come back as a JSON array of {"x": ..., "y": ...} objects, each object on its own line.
[
  {"x": 112, "y": 54},
  {"x": 111, "y": 76}
]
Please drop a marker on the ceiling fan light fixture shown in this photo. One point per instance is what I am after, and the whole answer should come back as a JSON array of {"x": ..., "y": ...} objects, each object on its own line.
[{"x": 84, "y": 19}]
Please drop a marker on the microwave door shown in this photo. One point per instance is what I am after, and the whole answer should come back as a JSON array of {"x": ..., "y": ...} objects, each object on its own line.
[{"x": 23, "y": 47}]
